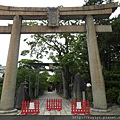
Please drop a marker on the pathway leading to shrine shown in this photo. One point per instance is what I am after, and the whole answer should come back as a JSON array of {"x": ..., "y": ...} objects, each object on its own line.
[{"x": 66, "y": 105}]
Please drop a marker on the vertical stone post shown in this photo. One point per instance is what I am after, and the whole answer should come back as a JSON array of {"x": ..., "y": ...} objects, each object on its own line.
[
  {"x": 98, "y": 87},
  {"x": 9, "y": 84}
]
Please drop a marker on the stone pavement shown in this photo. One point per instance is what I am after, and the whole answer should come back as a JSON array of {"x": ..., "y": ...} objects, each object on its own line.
[{"x": 66, "y": 105}]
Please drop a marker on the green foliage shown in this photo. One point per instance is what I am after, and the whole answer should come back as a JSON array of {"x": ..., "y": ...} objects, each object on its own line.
[
  {"x": 118, "y": 100},
  {"x": 93, "y": 2},
  {"x": 70, "y": 50},
  {"x": 28, "y": 73},
  {"x": 43, "y": 80},
  {"x": 31, "y": 23},
  {"x": 97, "y": 2},
  {"x": 112, "y": 79},
  {"x": 25, "y": 71},
  {"x": 25, "y": 52},
  {"x": 112, "y": 95},
  {"x": 1, "y": 83},
  {"x": 109, "y": 47},
  {"x": 57, "y": 77}
]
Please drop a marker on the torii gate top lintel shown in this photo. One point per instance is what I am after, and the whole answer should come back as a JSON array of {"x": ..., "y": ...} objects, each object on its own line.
[
  {"x": 37, "y": 66},
  {"x": 66, "y": 13}
]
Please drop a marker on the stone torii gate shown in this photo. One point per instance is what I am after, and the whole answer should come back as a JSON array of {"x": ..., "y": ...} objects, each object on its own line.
[
  {"x": 38, "y": 68},
  {"x": 86, "y": 13}
]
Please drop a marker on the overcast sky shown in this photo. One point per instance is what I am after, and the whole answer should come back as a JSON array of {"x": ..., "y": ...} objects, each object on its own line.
[{"x": 5, "y": 39}]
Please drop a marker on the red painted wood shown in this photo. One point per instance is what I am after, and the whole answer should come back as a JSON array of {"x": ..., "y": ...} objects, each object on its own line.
[{"x": 26, "y": 110}]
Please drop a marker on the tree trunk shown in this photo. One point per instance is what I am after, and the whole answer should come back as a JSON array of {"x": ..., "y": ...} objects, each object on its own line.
[
  {"x": 64, "y": 86},
  {"x": 65, "y": 76}
]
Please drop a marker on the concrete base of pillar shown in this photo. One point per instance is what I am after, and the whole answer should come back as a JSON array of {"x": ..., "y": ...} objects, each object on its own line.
[
  {"x": 9, "y": 112},
  {"x": 100, "y": 110}
]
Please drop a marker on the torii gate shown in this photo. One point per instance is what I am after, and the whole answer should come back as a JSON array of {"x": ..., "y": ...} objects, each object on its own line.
[
  {"x": 37, "y": 67},
  {"x": 87, "y": 13}
]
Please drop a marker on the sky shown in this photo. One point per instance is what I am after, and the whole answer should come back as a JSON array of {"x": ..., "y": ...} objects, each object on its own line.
[{"x": 5, "y": 38}]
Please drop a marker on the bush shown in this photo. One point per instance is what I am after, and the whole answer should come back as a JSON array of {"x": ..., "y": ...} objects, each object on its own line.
[
  {"x": 112, "y": 95},
  {"x": 0, "y": 90},
  {"x": 118, "y": 100}
]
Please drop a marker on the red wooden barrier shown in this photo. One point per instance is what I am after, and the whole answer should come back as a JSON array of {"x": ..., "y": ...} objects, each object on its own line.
[
  {"x": 54, "y": 104},
  {"x": 32, "y": 107},
  {"x": 79, "y": 107}
]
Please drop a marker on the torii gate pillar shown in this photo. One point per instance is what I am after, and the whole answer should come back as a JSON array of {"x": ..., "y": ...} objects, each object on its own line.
[
  {"x": 9, "y": 85},
  {"x": 98, "y": 87}
]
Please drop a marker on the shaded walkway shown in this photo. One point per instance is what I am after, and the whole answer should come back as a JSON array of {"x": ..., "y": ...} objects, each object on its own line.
[{"x": 66, "y": 105}]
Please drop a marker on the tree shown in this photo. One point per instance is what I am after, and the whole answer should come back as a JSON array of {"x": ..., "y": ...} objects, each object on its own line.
[
  {"x": 63, "y": 48},
  {"x": 109, "y": 48},
  {"x": 43, "y": 81},
  {"x": 97, "y": 2},
  {"x": 24, "y": 71},
  {"x": 55, "y": 78},
  {"x": 57, "y": 82},
  {"x": 1, "y": 83},
  {"x": 110, "y": 57},
  {"x": 28, "y": 73},
  {"x": 70, "y": 50}
]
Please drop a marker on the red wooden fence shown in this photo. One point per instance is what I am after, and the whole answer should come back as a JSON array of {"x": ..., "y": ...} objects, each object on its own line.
[
  {"x": 32, "y": 107},
  {"x": 80, "y": 107},
  {"x": 54, "y": 104}
]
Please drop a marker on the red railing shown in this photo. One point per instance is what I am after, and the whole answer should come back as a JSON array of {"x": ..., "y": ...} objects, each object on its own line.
[
  {"x": 54, "y": 104},
  {"x": 32, "y": 107},
  {"x": 80, "y": 107}
]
